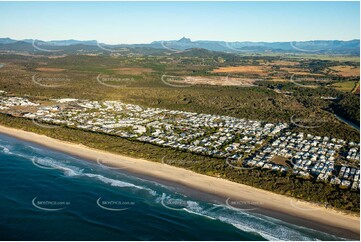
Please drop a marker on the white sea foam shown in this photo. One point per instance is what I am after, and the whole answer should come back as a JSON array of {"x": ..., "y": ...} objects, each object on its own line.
[
  {"x": 6, "y": 150},
  {"x": 268, "y": 228},
  {"x": 248, "y": 229},
  {"x": 75, "y": 171},
  {"x": 48, "y": 163},
  {"x": 9, "y": 151},
  {"x": 196, "y": 209},
  {"x": 118, "y": 183},
  {"x": 200, "y": 214},
  {"x": 194, "y": 206},
  {"x": 112, "y": 182},
  {"x": 272, "y": 229},
  {"x": 183, "y": 205}
]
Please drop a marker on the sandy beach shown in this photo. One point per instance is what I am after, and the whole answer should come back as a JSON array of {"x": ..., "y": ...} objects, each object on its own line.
[{"x": 272, "y": 204}]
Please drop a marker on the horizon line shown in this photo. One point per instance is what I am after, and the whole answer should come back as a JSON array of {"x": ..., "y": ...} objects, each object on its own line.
[{"x": 197, "y": 40}]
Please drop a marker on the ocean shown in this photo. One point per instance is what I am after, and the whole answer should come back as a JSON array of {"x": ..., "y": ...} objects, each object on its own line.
[{"x": 49, "y": 195}]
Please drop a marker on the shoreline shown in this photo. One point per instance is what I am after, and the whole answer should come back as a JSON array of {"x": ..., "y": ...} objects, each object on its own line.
[{"x": 271, "y": 204}]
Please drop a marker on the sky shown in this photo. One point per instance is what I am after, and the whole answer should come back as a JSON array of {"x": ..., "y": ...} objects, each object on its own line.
[{"x": 144, "y": 22}]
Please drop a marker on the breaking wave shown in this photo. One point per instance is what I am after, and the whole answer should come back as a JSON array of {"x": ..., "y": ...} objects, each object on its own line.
[
  {"x": 73, "y": 171},
  {"x": 5, "y": 150},
  {"x": 268, "y": 228}
]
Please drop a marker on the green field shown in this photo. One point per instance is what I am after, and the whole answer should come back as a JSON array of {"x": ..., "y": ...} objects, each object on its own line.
[{"x": 347, "y": 86}]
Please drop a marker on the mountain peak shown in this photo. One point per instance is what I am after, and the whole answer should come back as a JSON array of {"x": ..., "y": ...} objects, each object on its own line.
[{"x": 184, "y": 40}]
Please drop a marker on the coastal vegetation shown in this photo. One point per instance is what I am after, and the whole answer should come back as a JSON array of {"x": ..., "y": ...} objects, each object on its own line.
[
  {"x": 281, "y": 183},
  {"x": 309, "y": 88}
]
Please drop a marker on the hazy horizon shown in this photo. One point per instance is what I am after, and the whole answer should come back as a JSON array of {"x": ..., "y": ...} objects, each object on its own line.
[
  {"x": 144, "y": 22},
  {"x": 157, "y": 40}
]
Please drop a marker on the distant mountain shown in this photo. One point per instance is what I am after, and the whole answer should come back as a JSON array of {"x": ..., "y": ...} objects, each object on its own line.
[
  {"x": 184, "y": 40},
  {"x": 319, "y": 46},
  {"x": 351, "y": 47},
  {"x": 65, "y": 42},
  {"x": 6, "y": 41},
  {"x": 17, "y": 46}
]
